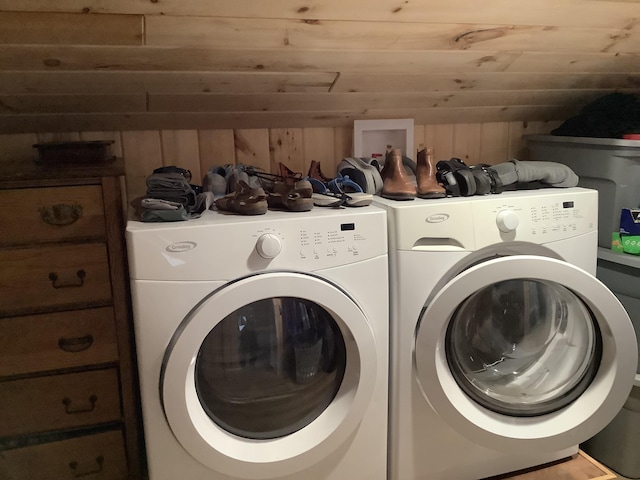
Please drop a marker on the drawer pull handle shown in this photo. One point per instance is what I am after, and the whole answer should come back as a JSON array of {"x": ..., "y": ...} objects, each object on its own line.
[
  {"x": 61, "y": 214},
  {"x": 74, "y": 468},
  {"x": 81, "y": 274},
  {"x": 75, "y": 344},
  {"x": 93, "y": 399}
]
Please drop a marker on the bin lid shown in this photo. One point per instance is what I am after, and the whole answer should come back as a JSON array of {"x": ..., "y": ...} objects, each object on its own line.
[{"x": 580, "y": 141}]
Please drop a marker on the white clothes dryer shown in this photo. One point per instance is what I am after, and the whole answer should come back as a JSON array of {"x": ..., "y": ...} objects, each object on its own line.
[
  {"x": 506, "y": 352},
  {"x": 262, "y": 344}
]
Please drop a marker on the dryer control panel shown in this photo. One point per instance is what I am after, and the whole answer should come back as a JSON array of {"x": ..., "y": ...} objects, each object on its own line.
[{"x": 220, "y": 246}]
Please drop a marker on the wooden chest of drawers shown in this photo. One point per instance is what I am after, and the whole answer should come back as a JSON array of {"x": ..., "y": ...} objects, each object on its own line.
[{"x": 68, "y": 384}]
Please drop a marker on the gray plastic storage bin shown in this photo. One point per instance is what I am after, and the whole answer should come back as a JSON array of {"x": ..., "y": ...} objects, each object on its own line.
[
  {"x": 621, "y": 273},
  {"x": 618, "y": 444},
  {"x": 610, "y": 166}
]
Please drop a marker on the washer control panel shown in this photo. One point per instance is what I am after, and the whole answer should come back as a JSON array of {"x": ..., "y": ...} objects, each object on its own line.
[{"x": 552, "y": 215}]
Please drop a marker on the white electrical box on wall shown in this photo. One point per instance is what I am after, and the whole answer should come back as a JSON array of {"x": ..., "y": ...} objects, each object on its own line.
[{"x": 371, "y": 137}]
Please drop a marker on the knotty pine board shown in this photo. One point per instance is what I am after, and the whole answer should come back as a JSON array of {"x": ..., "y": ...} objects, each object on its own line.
[
  {"x": 24, "y": 123},
  {"x": 529, "y": 12},
  {"x": 165, "y": 30}
]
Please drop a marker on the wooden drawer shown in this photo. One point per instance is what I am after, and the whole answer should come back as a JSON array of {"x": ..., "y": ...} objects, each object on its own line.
[
  {"x": 33, "y": 278},
  {"x": 51, "y": 214},
  {"x": 53, "y": 341},
  {"x": 94, "y": 457},
  {"x": 59, "y": 401}
]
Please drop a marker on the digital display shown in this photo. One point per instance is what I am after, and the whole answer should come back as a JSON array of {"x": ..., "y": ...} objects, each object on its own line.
[
  {"x": 347, "y": 226},
  {"x": 567, "y": 204}
]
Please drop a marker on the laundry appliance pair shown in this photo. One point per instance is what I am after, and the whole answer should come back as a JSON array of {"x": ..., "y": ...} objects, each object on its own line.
[
  {"x": 506, "y": 352},
  {"x": 263, "y": 341}
]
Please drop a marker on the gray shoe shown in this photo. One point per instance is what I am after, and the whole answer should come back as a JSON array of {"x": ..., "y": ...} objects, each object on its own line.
[{"x": 214, "y": 181}]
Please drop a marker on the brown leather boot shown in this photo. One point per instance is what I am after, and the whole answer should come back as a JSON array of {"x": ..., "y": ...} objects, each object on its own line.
[
  {"x": 396, "y": 184},
  {"x": 428, "y": 186},
  {"x": 315, "y": 172},
  {"x": 387, "y": 160}
]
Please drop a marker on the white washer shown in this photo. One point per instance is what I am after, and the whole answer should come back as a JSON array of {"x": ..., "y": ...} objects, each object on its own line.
[
  {"x": 262, "y": 344},
  {"x": 506, "y": 352}
]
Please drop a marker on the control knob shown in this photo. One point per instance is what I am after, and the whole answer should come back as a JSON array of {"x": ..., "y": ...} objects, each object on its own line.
[
  {"x": 507, "y": 220},
  {"x": 268, "y": 245}
]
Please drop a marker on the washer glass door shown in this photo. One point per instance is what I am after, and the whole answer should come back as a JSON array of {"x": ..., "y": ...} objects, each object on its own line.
[
  {"x": 523, "y": 346},
  {"x": 269, "y": 374},
  {"x": 524, "y": 352}
]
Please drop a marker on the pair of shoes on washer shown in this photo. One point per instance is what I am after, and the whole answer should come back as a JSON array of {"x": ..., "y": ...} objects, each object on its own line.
[
  {"x": 222, "y": 180},
  {"x": 398, "y": 183},
  {"x": 337, "y": 192},
  {"x": 286, "y": 191},
  {"x": 245, "y": 200},
  {"x": 461, "y": 180}
]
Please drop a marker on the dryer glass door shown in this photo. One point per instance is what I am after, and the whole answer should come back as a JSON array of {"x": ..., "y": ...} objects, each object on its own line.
[
  {"x": 524, "y": 352},
  {"x": 269, "y": 374},
  {"x": 270, "y": 367}
]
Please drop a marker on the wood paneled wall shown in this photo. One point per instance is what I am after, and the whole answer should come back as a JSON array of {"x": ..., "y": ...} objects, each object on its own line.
[{"x": 199, "y": 150}]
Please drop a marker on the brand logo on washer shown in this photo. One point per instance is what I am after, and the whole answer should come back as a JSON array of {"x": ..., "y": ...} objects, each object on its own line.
[
  {"x": 181, "y": 247},
  {"x": 437, "y": 218}
]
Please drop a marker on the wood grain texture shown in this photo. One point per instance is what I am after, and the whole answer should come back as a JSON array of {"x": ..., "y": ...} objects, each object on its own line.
[
  {"x": 180, "y": 148},
  {"x": 129, "y": 82},
  {"x": 70, "y": 29},
  {"x": 579, "y": 467},
  {"x": 252, "y": 147},
  {"x": 216, "y": 148},
  {"x": 367, "y": 35},
  {"x": 529, "y": 12},
  {"x": 143, "y": 153},
  {"x": 265, "y": 120},
  {"x": 144, "y": 65}
]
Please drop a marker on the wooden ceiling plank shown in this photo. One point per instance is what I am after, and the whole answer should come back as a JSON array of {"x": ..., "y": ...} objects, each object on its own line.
[
  {"x": 70, "y": 29},
  {"x": 29, "y": 58},
  {"x": 256, "y": 120},
  {"x": 84, "y": 82},
  {"x": 17, "y": 104},
  {"x": 358, "y": 35},
  {"x": 365, "y": 101},
  {"x": 528, "y": 12},
  {"x": 114, "y": 82},
  {"x": 430, "y": 82},
  {"x": 56, "y": 58}
]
